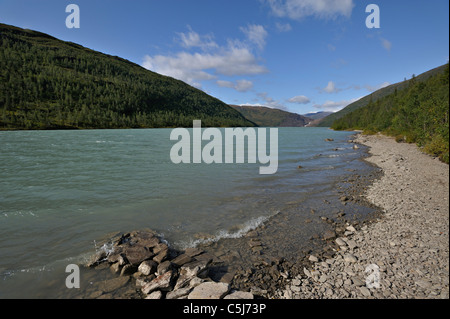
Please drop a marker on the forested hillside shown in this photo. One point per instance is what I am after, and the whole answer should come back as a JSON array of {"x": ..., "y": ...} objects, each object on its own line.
[
  {"x": 328, "y": 121},
  {"x": 416, "y": 114},
  {"x": 46, "y": 83}
]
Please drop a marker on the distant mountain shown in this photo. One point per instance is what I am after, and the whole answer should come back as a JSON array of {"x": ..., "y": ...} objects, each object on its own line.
[
  {"x": 328, "y": 121},
  {"x": 46, "y": 83},
  {"x": 268, "y": 117},
  {"x": 318, "y": 115}
]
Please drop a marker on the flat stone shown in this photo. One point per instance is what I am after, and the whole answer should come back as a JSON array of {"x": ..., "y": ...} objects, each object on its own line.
[
  {"x": 147, "y": 267},
  {"x": 192, "y": 252},
  {"x": 323, "y": 278},
  {"x": 239, "y": 295},
  {"x": 307, "y": 272},
  {"x": 155, "y": 295},
  {"x": 190, "y": 271},
  {"x": 210, "y": 290},
  {"x": 160, "y": 247},
  {"x": 350, "y": 258},
  {"x": 181, "y": 260},
  {"x": 161, "y": 256},
  {"x": 149, "y": 242},
  {"x": 159, "y": 283},
  {"x": 365, "y": 291},
  {"x": 423, "y": 284},
  {"x": 340, "y": 242},
  {"x": 351, "y": 228},
  {"x": 358, "y": 282},
  {"x": 352, "y": 244},
  {"x": 178, "y": 293},
  {"x": 137, "y": 254},
  {"x": 313, "y": 259}
]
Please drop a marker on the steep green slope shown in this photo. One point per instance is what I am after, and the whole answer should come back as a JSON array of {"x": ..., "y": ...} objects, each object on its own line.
[
  {"x": 328, "y": 121},
  {"x": 46, "y": 83},
  {"x": 267, "y": 117},
  {"x": 416, "y": 114}
]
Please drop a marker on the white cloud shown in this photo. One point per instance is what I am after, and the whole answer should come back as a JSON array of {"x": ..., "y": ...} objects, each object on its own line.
[
  {"x": 235, "y": 59},
  {"x": 193, "y": 39},
  {"x": 243, "y": 85},
  {"x": 256, "y": 34},
  {"x": 324, "y": 9},
  {"x": 330, "y": 88},
  {"x": 270, "y": 102},
  {"x": 301, "y": 99},
  {"x": 386, "y": 44},
  {"x": 334, "y": 106},
  {"x": 240, "y": 85},
  {"x": 283, "y": 27}
]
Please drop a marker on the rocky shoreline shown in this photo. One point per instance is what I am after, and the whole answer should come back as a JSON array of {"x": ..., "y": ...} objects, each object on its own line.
[
  {"x": 404, "y": 255},
  {"x": 397, "y": 250},
  {"x": 248, "y": 266},
  {"x": 157, "y": 270}
]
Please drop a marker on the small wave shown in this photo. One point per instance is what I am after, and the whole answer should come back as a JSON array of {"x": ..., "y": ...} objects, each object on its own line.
[
  {"x": 223, "y": 234},
  {"x": 18, "y": 214}
]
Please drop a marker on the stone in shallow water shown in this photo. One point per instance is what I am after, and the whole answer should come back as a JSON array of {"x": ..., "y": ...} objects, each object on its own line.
[{"x": 114, "y": 284}]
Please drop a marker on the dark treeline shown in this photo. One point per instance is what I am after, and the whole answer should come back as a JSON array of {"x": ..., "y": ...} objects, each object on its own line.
[
  {"x": 415, "y": 114},
  {"x": 46, "y": 83}
]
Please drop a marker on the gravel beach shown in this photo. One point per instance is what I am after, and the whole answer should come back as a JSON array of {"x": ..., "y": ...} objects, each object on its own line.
[{"x": 405, "y": 254}]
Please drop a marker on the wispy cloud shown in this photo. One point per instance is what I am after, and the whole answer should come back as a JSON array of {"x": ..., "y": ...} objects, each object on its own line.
[
  {"x": 283, "y": 27},
  {"x": 330, "y": 88},
  {"x": 334, "y": 106},
  {"x": 193, "y": 39},
  {"x": 299, "y": 9},
  {"x": 256, "y": 34},
  {"x": 240, "y": 85},
  {"x": 270, "y": 102},
  {"x": 386, "y": 44},
  {"x": 300, "y": 99}
]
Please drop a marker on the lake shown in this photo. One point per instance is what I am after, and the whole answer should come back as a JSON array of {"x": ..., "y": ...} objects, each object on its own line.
[{"x": 61, "y": 192}]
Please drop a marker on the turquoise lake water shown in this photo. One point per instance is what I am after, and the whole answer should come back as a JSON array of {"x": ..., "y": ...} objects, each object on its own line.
[{"x": 62, "y": 191}]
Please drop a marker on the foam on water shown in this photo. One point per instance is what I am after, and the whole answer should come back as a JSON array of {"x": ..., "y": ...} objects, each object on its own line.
[{"x": 244, "y": 229}]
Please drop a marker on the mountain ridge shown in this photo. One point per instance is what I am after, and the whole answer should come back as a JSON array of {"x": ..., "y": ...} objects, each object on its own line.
[
  {"x": 269, "y": 117},
  {"x": 47, "y": 83}
]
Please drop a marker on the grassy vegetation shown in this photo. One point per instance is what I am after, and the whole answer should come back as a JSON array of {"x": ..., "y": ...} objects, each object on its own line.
[
  {"x": 46, "y": 83},
  {"x": 416, "y": 114}
]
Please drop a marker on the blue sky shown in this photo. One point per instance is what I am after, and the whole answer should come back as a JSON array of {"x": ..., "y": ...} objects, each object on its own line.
[{"x": 297, "y": 55}]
